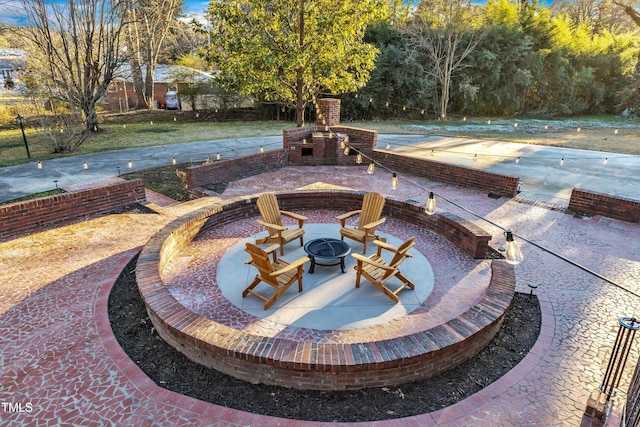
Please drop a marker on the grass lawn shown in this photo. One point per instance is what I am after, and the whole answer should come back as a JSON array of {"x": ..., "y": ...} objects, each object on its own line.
[{"x": 139, "y": 129}]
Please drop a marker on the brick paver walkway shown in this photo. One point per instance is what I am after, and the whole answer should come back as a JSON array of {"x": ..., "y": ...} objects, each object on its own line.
[{"x": 60, "y": 362}]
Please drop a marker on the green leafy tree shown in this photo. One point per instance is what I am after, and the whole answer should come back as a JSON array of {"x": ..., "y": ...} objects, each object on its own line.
[{"x": 290, "y": 52}]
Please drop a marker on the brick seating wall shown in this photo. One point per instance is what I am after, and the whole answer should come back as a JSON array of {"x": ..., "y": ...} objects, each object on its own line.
[
  {"x": 26, "y": 217},
  {"x": 593, "y": 203},
  {"x": 308, "y": 365},
  {"x": 234, "y": 169},
  {"x": 503, "y": 185}
]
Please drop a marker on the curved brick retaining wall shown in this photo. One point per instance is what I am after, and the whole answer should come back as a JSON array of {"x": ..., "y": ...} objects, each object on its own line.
[{"x": 418, "y": 354}]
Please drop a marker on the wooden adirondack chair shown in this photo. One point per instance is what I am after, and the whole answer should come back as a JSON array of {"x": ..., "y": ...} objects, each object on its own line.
[
  {"x": 272, "y": 219},
  {"x": 280, "y": 274},
  {"x": 372, "y": 205},
  {"x": 377, "y": 271}
]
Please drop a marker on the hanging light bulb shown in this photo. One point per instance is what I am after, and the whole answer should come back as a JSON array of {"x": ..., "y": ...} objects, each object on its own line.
[
  {"x": 386, "y": 104},
  {"x": 394, "y": 181},
  {"x": 85, "y": 165},
  {"x": 130, "y": 164},
  {"x": 356, "y": 95},
  {"x": 546, "y": 127},
  {"x": 430, "y": 207},
  {"x": 488, "y": 122},
  {"x": 370, "y": 100},
  {"x": 174, "y": 161},
  {"x": 174, "y": 119},
  {"x": 513, "y": 254},
  {"x": 218, "y": 156},
  {"x": 304, "y": 140},
  {"x": 358, "y": 158},
  {"x": 342, "y": 144},
  {"x": 615, "y": 131},
  {"x": 124, "y": 126},
  {"x": 346, "y": 151},
  {"x": 346, "y": 138},
  {"x": 422, "y": 112},
  {"x": 475, "y": 157},
  {"x": 261, "y": 149},
  {"x": 371, "y": 168},
  {"x": 515, "y": 125},
  {"x": 388, "y": 146},
  {"x": 433, "y": 152},
  {"x": 39, "y": 165},
  {"x": 605, "y": 161},
  {"x": 517, "y": 160},
  {"x": 330, "y": 134},
  {"x": 578, "y": 130},
  {"x": 562, "y": 162},
  {"x": 464, "y": 119},
  {"x": 404, "y": 108},
  {"x": 151, "y": 122}
]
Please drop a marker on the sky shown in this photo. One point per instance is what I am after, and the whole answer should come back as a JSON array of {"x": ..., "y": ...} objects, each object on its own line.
[{"x": 10, "y": 10}]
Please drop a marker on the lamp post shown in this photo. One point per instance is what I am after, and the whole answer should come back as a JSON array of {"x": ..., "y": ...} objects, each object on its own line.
[{"x": 24, "y": 137}]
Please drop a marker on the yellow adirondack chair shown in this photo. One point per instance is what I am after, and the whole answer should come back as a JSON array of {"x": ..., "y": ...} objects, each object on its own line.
[
  {"x": 372, "y": 205},
  {"x": 377, "y": 271},
  {"x": 279, "y": 274},
  {"x": 272, "y": 219}
]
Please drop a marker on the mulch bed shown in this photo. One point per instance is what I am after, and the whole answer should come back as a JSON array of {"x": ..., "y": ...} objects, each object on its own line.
[{"x": 171, "y": 370}]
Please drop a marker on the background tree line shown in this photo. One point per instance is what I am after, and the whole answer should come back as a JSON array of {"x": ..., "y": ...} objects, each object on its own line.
[
  {"x": 576, "y": 57},
  {"x": 384, "y": 58}
]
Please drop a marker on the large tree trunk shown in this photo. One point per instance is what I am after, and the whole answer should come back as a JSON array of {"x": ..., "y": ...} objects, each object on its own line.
[
  {"x": 299, "y": 101},
  {"x": 148, "y": 85}
]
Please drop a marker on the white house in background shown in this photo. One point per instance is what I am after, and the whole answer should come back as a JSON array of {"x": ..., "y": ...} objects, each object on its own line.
[
  {"x": 12, "y": 62},
  {"x": 120, "y": 95}
]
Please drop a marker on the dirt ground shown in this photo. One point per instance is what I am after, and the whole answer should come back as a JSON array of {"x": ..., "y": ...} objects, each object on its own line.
[{"x": 171, "y": 370}]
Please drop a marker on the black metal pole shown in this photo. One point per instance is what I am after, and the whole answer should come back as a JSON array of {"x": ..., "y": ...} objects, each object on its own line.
[{"x": 24, "y": 136}]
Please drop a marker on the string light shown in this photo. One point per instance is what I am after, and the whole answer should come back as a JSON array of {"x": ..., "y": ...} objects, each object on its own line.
[
  {"x": 356, "y": 95},
  {"x": 39, "y": 165},
  {"x": 578, "y": 130},
  {"x": 386, "y": 104},
  {"x": 488, "y": 122},
  {"x": 562, "y": 162},
  {"x": 394, "y": 181},
  {"x": 546, "y": 127},
  {"x": 430, "y": 207},
  {"x": 218, "y": 156},
  {"x": 174, "y": 161},
  {"x": 371, "y": 168},
  {"x": 517, "y": 160},
  {"x": 304, "y": 140},
  {"x": 422, "y": 112},
  {"x": 346, "y": 138},
  {"x": 370, "y": 100},
  {"x": 261, "y": 149},
  {"x": 404, "y": 108},
  {"x": 151, "y": 122},
  {"x": 615, "y": 131},
  {"x": 174, "y": 119},
  {"x": 342, "y": 144},
  {"x": 124, "y": 126},
  {"x": 85, "y": 165},
  {"x": 433, "y": 152},
  {"x": 605, "y": 161},
  {"x": 358, "y": 158},
  {"x": 515, "y": 125},
  {"x": 130, "y": 164},
  {"x": 388, "y": 146},
  {"x": 346, "y": 151},
  {"x": 464, "y": 119},
  {"x": 475, "y": 157}
]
